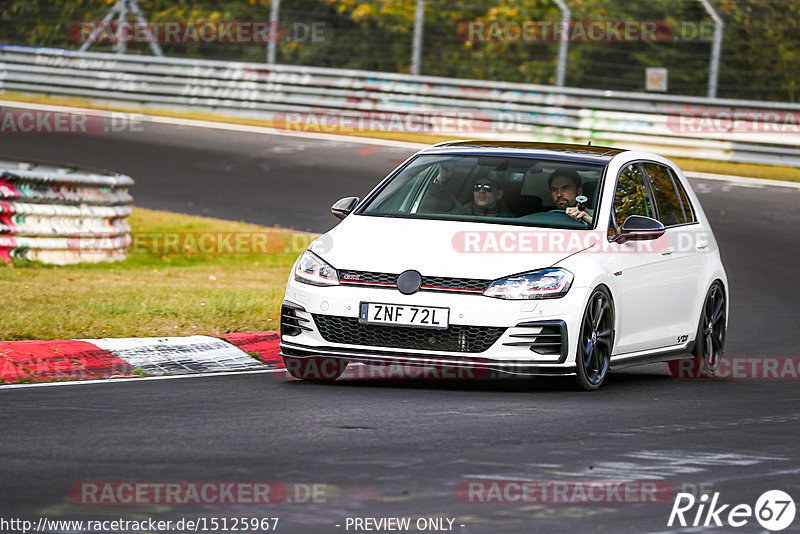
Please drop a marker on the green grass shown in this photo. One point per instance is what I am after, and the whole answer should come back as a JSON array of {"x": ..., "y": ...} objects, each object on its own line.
[
  {"x": 154, "y": 293},
  {"x": 749, "y": 170}
]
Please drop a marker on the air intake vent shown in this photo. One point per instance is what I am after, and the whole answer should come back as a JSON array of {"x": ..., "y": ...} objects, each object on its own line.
[
  {"x": 291, "y": 322},
  {"x": 546, "y": 338}
]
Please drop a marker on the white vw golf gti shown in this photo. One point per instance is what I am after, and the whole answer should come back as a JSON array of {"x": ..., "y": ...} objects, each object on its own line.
[{"x": 518, "y": 258}]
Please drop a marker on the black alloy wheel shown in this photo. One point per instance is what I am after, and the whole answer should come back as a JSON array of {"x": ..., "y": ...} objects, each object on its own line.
[
  {"x": 596, "y": 341},
  {"x": 709, "y": 345}
]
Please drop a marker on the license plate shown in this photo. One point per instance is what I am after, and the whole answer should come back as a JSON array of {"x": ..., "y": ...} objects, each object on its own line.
[{"x": 404, "y": 315}]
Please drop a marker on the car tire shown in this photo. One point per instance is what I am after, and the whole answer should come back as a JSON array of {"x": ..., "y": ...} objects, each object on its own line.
[
  {"x": 316, "y": 368},
  {"x": 709, "y": 343},
  {"x": 595, "y": 341}
]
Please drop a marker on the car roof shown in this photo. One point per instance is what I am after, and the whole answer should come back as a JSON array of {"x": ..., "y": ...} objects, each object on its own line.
[{"x": 559, "y": 151}]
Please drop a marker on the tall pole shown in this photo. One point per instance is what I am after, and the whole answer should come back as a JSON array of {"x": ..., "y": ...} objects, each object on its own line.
[
  {"x": 563, "y": 42},
  {"x": 274, "y": 20},
  {"x": 416, "y": 46},
  {"x": 99, "y": 29},
  {"x": 151, "y": 40},
  {"x": 120, "y": 11},
  {"x": 716, "y": 49}
]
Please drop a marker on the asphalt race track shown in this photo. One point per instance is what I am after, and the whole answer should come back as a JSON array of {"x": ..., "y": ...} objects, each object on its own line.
[
  {"x": 266, "y": 180},
  {"x": 381, "y": 448}
]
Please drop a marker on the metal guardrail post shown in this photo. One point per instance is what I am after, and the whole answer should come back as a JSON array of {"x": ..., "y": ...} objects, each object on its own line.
[
  {"x": 274, "y": 20},
  {"x": 416, "y": 45},
  {"x": 716, "y": 48},
  {"x": 563, "y": 42}
]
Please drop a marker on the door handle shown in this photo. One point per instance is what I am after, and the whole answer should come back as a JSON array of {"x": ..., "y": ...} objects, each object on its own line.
[
  {"x": 667, "y": 251},
  {"x": 702, "y": 244}
]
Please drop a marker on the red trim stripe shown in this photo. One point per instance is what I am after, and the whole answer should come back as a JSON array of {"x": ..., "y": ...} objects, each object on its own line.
[
  {"x": 452, "y": 289},
  {"x": 357, "y": 282},
  {"x": 437, "y": 288}
]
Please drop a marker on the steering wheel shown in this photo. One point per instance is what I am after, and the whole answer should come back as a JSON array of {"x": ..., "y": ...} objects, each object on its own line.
[{"x": 564, "y": 213}]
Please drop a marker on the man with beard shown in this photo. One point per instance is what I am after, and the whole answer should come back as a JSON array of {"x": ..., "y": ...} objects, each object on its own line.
[{"x": 565, "y": 187}]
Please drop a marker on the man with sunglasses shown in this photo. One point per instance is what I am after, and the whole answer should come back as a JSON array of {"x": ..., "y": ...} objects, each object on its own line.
[
  {"x": 486, "y": 199},
  {"x": 486, "y": 195}
]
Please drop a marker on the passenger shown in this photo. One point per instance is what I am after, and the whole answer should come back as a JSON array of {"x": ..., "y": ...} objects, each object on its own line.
[
  {"x": 566, "y": 186},
  {"x": 487, "y": 194}
]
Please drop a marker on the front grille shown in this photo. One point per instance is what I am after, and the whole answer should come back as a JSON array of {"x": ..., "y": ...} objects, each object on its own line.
[
  {"x": 365, "y": 277},
  {"x": 456, "y": 338},
  {"x": 462, "y": 284},
  {"x": 429, "y": 283}
]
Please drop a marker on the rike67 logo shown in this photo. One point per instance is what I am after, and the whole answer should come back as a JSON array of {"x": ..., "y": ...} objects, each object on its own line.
[{"x": 774, "y": 510}]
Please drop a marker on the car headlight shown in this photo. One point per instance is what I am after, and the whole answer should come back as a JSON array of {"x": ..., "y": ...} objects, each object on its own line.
[
  {"x": 311, "y": 269},
  {"x": 543, "y": 284}
]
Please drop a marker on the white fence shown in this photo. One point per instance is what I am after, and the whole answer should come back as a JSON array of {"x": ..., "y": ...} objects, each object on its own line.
[{"x": 725, "y": 130}]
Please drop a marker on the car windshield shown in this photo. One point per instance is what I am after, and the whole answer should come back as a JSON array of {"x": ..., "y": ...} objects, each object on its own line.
[{"x": 490, "y": 189}]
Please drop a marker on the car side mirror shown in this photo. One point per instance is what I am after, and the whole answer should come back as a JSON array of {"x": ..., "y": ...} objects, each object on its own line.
[
  {"x": 342, "y": 208},
  {"x": 638, "y": 228}
]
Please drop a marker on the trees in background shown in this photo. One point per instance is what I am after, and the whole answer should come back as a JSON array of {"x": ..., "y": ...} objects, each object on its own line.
[{"x": 760, "y": 57}]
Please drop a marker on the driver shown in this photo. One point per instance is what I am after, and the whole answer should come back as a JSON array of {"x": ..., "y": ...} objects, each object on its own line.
[
  {"x": 565, "y": 186},
  {"x": 446, "y": 171}
]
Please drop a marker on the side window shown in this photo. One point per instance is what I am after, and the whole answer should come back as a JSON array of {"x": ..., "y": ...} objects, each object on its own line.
[
  {"x": 403, "y": 193},
  {"x": 666, "y": 195},
  {"x": 688, "y": 210},
  {"x": 630, "y": 198}
]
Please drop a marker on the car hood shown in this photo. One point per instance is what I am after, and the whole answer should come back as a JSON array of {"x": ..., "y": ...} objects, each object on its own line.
[{"x": 436, "y": 248}]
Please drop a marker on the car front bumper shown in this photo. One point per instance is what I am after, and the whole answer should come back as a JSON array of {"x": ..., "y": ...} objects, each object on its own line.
[
  {"x": 466, "y": 367},
  {"x": 537, "y": 336}
]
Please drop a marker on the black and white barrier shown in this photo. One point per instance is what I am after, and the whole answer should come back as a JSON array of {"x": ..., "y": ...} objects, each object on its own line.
[{"x": 63, "y": 215}]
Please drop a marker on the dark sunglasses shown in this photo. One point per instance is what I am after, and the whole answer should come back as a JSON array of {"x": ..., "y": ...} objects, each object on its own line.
[{"x": 486, "y": 187}]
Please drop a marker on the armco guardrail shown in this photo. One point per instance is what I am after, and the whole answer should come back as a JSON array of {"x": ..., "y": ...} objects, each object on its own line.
[
  {"x": 727, "y": 130},
  {"x": 62, "y": 215}
]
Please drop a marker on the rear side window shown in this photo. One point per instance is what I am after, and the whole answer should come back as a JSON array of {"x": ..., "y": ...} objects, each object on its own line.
[
  {"x": 630, "y": 198},
  {"x": 685, "y": 202},
  {"x": 670, "y": 197}
]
